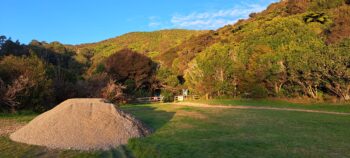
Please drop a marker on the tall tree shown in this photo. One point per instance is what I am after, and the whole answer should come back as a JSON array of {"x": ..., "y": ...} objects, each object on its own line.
[{"x": 212, "y": 72}]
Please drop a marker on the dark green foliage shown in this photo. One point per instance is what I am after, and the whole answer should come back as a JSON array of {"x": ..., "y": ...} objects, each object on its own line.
[
  {"x": 257, "y": 91},
  {"x": 127, "y": 65},
  {"x": 8, "y": 47},
  {"x": 100, "y": 68},
  {"x": 168, "y": 96},
  {"x": 316, "y": 17},
  {"x": 336, "y": 76},
  {"x": 41, "y": 75},
  {"x": 167, "y": 78},
  {"x": 26, "y": 83}
]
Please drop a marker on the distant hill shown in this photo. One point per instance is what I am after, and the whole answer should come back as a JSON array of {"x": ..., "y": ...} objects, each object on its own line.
[{"x": 148, "y": 43}]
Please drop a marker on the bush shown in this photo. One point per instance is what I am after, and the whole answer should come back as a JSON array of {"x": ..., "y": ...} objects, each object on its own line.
[
  {"x": 316, "y": 17},
  {"x": 258, "y": 91},
  {"x": 167, "y": 96},
  {"x": 114, "y": 93},
  {"x": 26, "y": 84}
]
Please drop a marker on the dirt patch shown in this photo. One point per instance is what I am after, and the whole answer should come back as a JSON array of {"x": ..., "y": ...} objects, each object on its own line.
[
  {"x": 9, "y": 126},
  {"x": 81, "y": 124}
]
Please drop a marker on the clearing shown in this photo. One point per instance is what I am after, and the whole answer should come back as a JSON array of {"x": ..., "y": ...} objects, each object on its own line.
[{"x": 188, "y": 131}]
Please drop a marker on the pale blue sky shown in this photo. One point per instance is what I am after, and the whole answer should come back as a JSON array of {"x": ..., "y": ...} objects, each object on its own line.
[{"x": 82, "y": 21}]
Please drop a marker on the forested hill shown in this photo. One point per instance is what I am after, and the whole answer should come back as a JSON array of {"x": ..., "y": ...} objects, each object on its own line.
[
  {"x": 280, "y": 24},
  {"x": 293, "y": 49}
]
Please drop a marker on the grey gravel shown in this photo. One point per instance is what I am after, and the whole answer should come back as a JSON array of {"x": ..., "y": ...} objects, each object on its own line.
[{"x": 81, "y": 124}]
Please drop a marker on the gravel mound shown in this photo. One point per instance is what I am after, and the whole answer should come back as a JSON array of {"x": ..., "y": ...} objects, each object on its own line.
[{"x": 81, "y": 124}]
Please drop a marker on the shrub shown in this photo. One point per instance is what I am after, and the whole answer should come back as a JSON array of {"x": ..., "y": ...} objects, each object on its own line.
[
  {"x": 258, "y": 91},
  {"x": 26, "y": 82},
  {"x": 316, "y": 17},
  {"x": 113, "y": 92},
  {"x": 168, "y": 96}
]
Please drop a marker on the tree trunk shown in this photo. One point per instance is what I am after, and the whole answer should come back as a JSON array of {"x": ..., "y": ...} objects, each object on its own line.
[
  {"x": 339, "y": 92},
  {"x": 278, "y": 88},
  {"x": 346, "y": 97},
  {"x": 312, "y": 92}
]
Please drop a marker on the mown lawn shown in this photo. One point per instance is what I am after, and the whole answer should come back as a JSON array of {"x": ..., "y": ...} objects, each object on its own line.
[
  {"x": 193, "y": 132},
  {"x": 345, "y": 107}
]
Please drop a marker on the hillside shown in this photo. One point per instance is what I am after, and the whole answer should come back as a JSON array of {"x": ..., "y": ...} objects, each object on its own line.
[
  {"x": 286, "y": 50},
  {"x": 333, "y": 28},
  {"x": 293, "y": 49},
  {"x": 150, "y": 44}
]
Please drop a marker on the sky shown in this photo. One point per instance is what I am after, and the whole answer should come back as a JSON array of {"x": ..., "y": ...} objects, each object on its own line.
[{"x": 86, "y": 21}]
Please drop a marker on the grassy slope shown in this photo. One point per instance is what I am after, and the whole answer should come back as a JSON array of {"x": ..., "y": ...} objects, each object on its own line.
[
  {"x": 198, "y": 132},
  {"x": 148, "y": 43}
]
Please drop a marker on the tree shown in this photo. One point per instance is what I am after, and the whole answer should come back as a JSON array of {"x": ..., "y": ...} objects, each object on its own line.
[
  {"x": 27, "y": 83},
  {"x": 113, "y": 92},
  {"x": 2, "y": 40},
  {"x": 167, "y": 78},
  {"x": 268, "y": 68},
  {"x": 212, "y": 72},
  {"x": 129, "y": 65},
  {"x": 304, "y": 69},
  {"x": 336, "y": 70}
]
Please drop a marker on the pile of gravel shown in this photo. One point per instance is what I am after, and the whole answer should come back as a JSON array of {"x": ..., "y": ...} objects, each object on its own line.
[{"x": 81, "y": 124}]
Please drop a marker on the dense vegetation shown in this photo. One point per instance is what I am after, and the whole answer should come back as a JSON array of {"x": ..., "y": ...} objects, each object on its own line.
[
  {"x": 39, "y": 75},
  {"x": 295, "y": 48},
  {"x": 292, "y": 49}
]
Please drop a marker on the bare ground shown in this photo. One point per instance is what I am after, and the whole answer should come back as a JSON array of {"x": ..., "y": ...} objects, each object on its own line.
[{"x": 8, "y": 126}]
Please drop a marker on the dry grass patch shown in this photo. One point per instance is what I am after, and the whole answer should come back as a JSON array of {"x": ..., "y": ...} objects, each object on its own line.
[{"x": 8, "y": 126}]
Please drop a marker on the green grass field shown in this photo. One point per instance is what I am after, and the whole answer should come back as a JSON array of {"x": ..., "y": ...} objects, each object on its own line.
[
  {"x": 279, "y": 104},
  {"x": 192, "y": 132}
]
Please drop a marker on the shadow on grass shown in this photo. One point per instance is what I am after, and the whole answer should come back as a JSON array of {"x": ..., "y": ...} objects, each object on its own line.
[
  {"x": 9, "y": 148},
  {"x": 151, "y": 116},
  {"x": 154, "y": 118}
]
